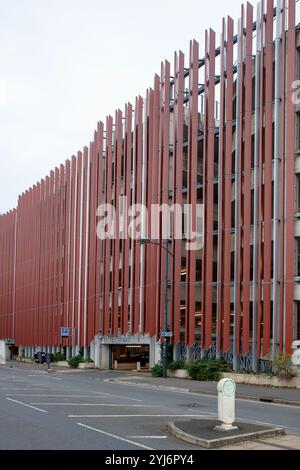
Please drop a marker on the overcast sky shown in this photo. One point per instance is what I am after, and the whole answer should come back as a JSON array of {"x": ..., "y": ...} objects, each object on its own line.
[{"x": 66, "y": 64}]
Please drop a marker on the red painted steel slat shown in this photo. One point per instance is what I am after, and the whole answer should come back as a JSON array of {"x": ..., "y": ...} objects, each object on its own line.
[
  {"x": 208, "y": 184},
  {"x": 228, "y": 185},
  {"x": 127, "y": 193},
  {"x": 77, "y": 251},
  {"x": 247, "y": 181},
  {"x": 221, "y": 192},
  {"x": 282, "y": 186},
  {"x": 116, "y": 242},
  {"x": 83, "y": 243},
  {"x": 67, "y": 250},
  {"x": 290, "y": 177},
  {"x": 268, "y": 167},
  {"x": 156, "y": 171},
  {"x": 177, "y": 187},
  {"x": 164, "y": 181},
  {"x": 192, "y": 191},
  {"x": 238, "y": 181},
  {"x": 107, "y": 244},
  {"x": 260, "y": 218},
  {"x": 99, "y": 292},
  {"x": 149, "y": 193},
  {"x": 92, "y": 261},
  {"x": 138, "y": 155}
]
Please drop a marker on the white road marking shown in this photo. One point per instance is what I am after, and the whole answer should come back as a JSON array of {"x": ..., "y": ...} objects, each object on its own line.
[
  {"x": 116, "y": 396},
  {"x": 139, "y": 416},
  {"x": 122, "y": 405},
  {"x": 147, "y": 437},
  {"x": 267, "y": 424},
  {"x": 114, "y": 436},
  {"x": 25, "y": 404},
  {"x": 47, "y": 396},
  {"x": 258, "y": 402},
  {"x": 29, "y": 388}
]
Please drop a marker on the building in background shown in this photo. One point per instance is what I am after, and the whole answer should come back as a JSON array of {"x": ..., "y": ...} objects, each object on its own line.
[{"x": 219, "y": 128}]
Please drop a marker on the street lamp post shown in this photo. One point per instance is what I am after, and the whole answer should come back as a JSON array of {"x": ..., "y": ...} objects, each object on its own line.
[{"x": 165, "y": 340}]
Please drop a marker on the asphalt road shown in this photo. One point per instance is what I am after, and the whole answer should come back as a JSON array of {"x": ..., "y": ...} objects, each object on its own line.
[{"x": 85, "y": 411}]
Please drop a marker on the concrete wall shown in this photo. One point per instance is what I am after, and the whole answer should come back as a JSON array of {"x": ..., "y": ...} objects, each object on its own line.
[
  {"x": 4, "y": 352},
  {"x": 264, "y": 380}
]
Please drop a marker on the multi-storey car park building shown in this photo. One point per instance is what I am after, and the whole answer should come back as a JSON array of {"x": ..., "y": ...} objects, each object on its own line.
[{"x": 221, "y": 129}]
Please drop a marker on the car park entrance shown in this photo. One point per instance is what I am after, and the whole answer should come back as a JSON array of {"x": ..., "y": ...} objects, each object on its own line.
[{"x": 130, "y": 357}]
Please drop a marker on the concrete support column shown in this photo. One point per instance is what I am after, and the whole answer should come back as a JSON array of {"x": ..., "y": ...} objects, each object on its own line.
[
  {"x": 101, "y": 357},
  {"x": 203, "y": 353},
  {"x": 154, "y": 352},
  {"x": 92, "y": 350},
  {"x": 85, "y": 352},
  {"x": 176, "y": 353},
  {"x": 3, "y": 353}
]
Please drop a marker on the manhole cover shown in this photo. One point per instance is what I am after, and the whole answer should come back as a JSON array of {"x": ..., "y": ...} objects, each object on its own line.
[{"x": 191, "y": 405}]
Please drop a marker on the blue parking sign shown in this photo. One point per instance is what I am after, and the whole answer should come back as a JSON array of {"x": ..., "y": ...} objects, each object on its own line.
[{"x": 64, "y": 331}]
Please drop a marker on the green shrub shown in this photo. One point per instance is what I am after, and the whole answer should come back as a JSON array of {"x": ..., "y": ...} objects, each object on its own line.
[
  {"x": 58, "y": 356},
  {"x": 157, "y": 370},
  {"x": 175, "y": 365},
  {"x": 207, "y": 370},
  {"x": 283, "y": 366},
  {"x": 74, "y": 362},
  {"x": 88, "y": 360}
]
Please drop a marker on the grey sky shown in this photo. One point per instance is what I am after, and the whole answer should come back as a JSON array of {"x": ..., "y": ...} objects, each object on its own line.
[{"x": 65, "y": 64}]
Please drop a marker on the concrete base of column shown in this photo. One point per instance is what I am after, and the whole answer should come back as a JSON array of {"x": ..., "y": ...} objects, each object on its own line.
[
  {"x": 92, "y": 350},
  {"x": 102, "y": 355},
  {"x": 176, "y": 353},
  {"x": 203, "y": 353},
  {"x": 3, "y": 352},
  {"x": 85, "y": 352},
  {"x": 236, "y": 363},
  {"x": 155, "y": 352}
]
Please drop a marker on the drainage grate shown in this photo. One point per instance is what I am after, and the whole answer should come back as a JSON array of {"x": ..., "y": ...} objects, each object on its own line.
[{"x": 267, "y": 399}]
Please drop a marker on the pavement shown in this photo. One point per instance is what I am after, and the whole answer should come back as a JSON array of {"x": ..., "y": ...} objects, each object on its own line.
[
  {"x": 248, "y": 392},
  {"x": 112, "y": 410}
]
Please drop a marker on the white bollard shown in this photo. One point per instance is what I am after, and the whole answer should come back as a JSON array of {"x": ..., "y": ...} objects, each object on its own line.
[
  {"x": 115, "y": 364},
  {"x": 138, "y": 366},
  {"x": 226, "y": 405}
]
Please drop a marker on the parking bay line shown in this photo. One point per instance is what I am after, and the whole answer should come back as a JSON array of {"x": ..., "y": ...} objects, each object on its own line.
[
  {"x": 120, "y": 405},
  {"x": 115, "y": 396},
  {"x": 26, "y": 404},
  {"x": 49, "y": 396},
  {"x": 139, "y": 416},
  {"x": 115, "y": 436},
  {"x": 102, "y": 395}
]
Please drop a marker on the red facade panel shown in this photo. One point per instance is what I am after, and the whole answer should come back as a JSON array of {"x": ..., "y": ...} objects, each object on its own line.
[{"x": 192, "y": 165}]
